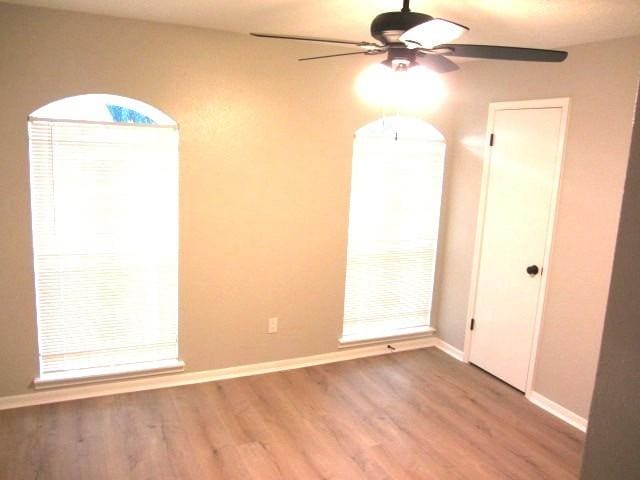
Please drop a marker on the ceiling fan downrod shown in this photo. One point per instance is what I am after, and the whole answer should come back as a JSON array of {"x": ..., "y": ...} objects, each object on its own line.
[{"x": 405, "y": 6}]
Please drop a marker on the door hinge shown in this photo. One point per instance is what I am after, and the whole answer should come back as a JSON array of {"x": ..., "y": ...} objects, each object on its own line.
[
  {"x": 491, "y": 140},
  {"x": 473, "y": 323}
]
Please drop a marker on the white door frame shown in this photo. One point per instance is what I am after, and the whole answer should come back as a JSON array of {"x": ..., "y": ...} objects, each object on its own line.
[{"x": 562, "y": 103}]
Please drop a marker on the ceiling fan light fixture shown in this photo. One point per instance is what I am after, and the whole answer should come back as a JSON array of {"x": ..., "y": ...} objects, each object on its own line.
[
  {"x": 398, "y": 64},
  {"x": 413, "y": 88},
  {"x": 434, "y": 32},
  {"x": 400, "y": 59}
]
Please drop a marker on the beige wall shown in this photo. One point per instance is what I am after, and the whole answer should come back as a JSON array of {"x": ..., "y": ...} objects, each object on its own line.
[
  {"x": 601, "y": 80},
  {"x": 611, "y": 449},
  {"x": 265, "y": 169},
  {"x": 265, "y": 165}
]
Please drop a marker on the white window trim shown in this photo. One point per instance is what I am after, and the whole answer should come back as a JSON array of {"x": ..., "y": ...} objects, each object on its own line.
[
  {"x": 160, "y": 366},
  {"x": 100, "y": 374},
  {"x": 398, "y": 334},
  {"x": 407, "y": 128}
]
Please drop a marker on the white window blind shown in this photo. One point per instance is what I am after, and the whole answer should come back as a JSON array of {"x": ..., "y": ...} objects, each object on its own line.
[
  {"x": 396, "y": 190},
  {"x": 105, "y": 236}
]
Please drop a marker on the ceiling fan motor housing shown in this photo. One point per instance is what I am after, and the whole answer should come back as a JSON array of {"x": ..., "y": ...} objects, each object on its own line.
[{"x": 387, "y": 27}]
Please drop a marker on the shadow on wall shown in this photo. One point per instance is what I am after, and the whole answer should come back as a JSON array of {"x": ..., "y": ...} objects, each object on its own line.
[{"x": 613, "y": 438}]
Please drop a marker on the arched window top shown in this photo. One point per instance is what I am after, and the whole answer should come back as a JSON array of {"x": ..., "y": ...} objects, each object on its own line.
[
  {"x": 394, "y": 215},
  {"x": 399, "y": 127},
  {"x": 104, "y": 174},
  {"x": 104, "y": 108}
]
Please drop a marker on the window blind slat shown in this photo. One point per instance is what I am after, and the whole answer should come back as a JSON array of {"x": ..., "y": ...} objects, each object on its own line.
[
  {"x": 105, "y": 237},
  {"x": 394, "y": 214}
]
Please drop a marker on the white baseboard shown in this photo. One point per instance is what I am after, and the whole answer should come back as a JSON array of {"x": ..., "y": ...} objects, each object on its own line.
[
  {"x": 558, "y": 410},
  {"x": 177, "y": 379},
  {"x": 541, "y": 401},
  {"x": 450, "y": 349}
]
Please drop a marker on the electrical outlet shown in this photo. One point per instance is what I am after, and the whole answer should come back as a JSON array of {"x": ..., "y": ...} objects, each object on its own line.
[{"x": 272, "y": 325}]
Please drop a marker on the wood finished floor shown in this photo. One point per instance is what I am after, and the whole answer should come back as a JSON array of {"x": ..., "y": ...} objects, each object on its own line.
[{"x": 409, "y": 415}]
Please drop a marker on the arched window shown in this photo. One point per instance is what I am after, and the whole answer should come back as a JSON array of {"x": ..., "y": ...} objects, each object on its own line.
[
  {"x": 104, "y": 201},
  {"x": 396, "y": 189}
]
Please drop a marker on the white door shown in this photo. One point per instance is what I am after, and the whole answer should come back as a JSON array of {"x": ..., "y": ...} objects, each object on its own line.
[{"x": 518, "y": 204}]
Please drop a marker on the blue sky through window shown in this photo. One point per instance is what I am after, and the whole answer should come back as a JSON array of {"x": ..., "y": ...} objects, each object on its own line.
[
  {"x": 127, "y": 115},
  {"x": 104, "y": 108}
]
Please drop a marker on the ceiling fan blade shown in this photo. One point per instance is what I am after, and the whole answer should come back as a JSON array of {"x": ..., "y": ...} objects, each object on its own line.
[
  {"x": 496, "y": 52},
  {"x": 335, "y": 55},
  {"x": 431, "y": 33},
  {"x": 316, "y": 39},
  {"x": 437, "y": 63}
]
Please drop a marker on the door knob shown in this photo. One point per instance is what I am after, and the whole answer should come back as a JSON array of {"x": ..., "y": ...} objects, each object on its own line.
[{"x": 533, "y": 270}]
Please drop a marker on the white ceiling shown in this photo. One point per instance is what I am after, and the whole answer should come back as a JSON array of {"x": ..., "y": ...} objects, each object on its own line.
[{"x": 533, "y": 23}]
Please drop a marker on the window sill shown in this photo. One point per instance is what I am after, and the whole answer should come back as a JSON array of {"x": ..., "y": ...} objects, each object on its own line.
[
  {"x": 401, "y": 334},
  {"x": 101, "y": 374}
]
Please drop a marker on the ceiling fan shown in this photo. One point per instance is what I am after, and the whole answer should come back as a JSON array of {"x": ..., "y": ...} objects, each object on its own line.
[{"x": 411, "y": 38}]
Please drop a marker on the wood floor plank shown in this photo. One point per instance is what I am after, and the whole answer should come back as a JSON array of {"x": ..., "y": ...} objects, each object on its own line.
[
  {"x": 320, "y": 449},
  {"x": 264, "y": 426},
  {"x": 482, "y": 427},
  {"x": 409, "y": 415},
  {"x": 498, "y": 410}
]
